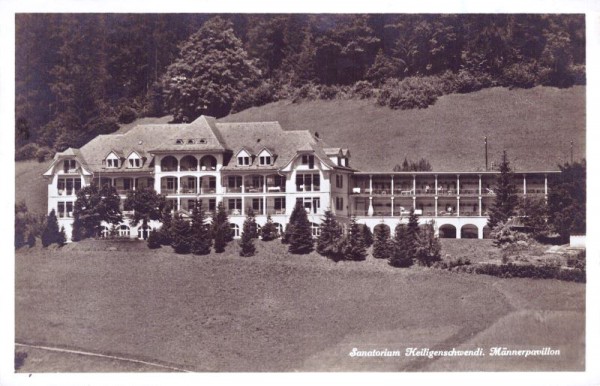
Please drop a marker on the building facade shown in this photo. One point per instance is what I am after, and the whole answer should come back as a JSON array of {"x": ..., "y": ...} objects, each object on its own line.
[{"x": 261, "y": 166}]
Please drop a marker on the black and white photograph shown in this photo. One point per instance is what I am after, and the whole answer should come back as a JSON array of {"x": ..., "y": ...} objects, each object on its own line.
[{"x": 299, "y": 192}]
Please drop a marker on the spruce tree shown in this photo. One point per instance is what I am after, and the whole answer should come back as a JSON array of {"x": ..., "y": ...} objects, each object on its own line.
[
  {"x": 221, "y": 230},
  {"x": 399, "y": 256},
  {"x": 429, "y": 248},
  {"x": 285, "y": 239},
  {"x": 300, "y": 237},
  {"x": 329, "y": 237},
  {"x": 180, "y": 234},
  {"x": 166, "y": 220},
  {"x": 200, "y": 232},
  {"x": 31, "y": 239},
  {"x": 248, "y": 231},
  {"x": 51, "y": 232},
  {"x": 367, "y": 235},
  {"x": 269, "y": 230},
  {"x": 412, "y": 235},
  {"x": 506, "y": 201},
  {"x": 354, "y": 245},
  {"x": 381, "y": 245}
]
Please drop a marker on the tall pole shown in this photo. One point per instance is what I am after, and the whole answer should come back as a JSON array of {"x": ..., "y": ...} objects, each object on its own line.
[{"x": 486, "y": 154}]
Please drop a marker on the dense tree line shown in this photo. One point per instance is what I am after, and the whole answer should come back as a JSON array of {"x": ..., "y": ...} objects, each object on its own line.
[{"x": 79, "y": 75}]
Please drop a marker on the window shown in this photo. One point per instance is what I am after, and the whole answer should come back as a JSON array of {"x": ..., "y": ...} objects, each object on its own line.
[
  {"x": 179, "y": 142},
  {"x": 315, "y": 229},
  {"x": 171, "y": 183},
  {"x": 191, "y": 205},
  {"x": 339, "y": 203},
  {"x": 308, "y": 160},
  {"x": 234, "y": 183},
  {"x": 308, "y": 182},
  {"x": 135, "y": 163},
  {"x": 68, "y": 186},
  {"x": 112, "y": 162},
  {"x": 212, "y": 204},
  {"x": 235, "y": 206},
  {"x": 265, "y": 160},
  {"x": 123, "y": 231},
  {"x": 69, "y": 165},
  {"x": 104, "y": 232},
  {"x": 311, "y": 204},
  {"x": 190, "y": 141},
  {"x": 65, "y": 209},
  {"x": 235, "y": 230},
  {"x": 339, "y": 180},
  {"x": 279, "y": 205},
  {"x": 127, "y": 183},
  {"x": 243, "y": 160},
  {"x": 257, "y": 205}
]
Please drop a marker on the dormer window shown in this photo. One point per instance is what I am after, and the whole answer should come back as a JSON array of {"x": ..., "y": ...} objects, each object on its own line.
[
  {"x": 309, "y": 160},
  {"x": 69, "y": 165},
  {"x": 243, "y": 158},
  {"x": 179, "y": 142},
  {"x": 190, "y": 141},
  {"x": 265, "y": 160},
  {"x": 135, "y": 163},
  {"x": 112, "y": 161}
]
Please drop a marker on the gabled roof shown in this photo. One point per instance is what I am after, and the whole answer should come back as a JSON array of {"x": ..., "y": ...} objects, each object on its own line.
[{"x": 69, "y": 153}]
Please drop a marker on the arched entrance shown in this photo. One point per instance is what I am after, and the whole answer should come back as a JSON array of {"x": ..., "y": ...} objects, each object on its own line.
[
  {"x": 447, "y": 231},
  {"x": 469, "y": 231}
]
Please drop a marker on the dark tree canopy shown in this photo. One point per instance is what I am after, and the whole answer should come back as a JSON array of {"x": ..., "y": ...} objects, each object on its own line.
[
  {"x": 211, "y": 69},
  {"x": 93, "y": 206},
  {"x": 146, "y": 205},
  {"x": 79, "y": 75},
  {"x": 567, "y": 200}
]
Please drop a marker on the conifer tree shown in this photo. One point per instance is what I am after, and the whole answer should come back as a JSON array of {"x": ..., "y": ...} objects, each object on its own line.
[
  {"x": 381, "y": 245},
  {"x": 180, "y": 233},
  {"x": 412, "y": 235},
  {"x": 399, "y": 256},
  {"x": 221, "y": 230},
  {"x": 354, "y": 245},
  {"x": 429, "y": 248},
  {"x": 285, "y": 239},
  {"x": 269, "y": 230},
  {"x": 506, "y": 201},
  {"x": 51, "y": 232},
  {"x": 31, "y": 239},
  {"x": 329, "y": 237},
  {"x": 248, "y": 233},
  {"x": 367, "y": 235},
  {"x": 200, "y": 232},
  {"x": 166, "y": 220},
  {"x": 300, "y": 237}
]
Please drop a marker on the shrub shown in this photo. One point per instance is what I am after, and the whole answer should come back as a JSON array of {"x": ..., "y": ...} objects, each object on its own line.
[
  {"x": 26, "y": 152},
  {"x": 269, "y": 231},
  {"x": 51, "y": 233},
  {"x": 467, "y": 81},
  {"x": 20, "y": 359},
  {"x": 367, "y": 235},
  {"x": 328, "y": 92},
  {"x": 531, "y": 271},
  {"x": 154, "y": 239},
  {"x": 577, "y": 72},
  {"x": 521, "y": 75},
  {"x": 43, "y": 154},
  {"x": 307, "y": 92},
  {"x": 127, "y": 114},
  {"x": 257, "y": 96},
  {"x": 577, "y": 260},
  {"x": 363, "y": 90},
  {"x": 31, "y": 240},
  {"x": 503, "y": 235},
  {"x": 412, "y": 92}
]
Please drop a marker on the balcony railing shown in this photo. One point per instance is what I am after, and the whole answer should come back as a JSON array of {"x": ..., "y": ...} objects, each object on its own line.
[
  {"x": 232, "y": 189},
  {"x": 275, "y": 188},
  {"x": 188, "y": 190}
]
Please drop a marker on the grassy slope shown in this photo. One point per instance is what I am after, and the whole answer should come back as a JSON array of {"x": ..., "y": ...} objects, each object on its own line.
[
  {"x": 275, "y": 312},
  {"x": 30, "y": 186},
  {"x": 535, "y": 126}
]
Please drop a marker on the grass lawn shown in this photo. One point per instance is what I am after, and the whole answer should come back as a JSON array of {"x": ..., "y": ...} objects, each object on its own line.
[
  {"x": 30, "y": 186},
  {"x": 276, "y": 312}
]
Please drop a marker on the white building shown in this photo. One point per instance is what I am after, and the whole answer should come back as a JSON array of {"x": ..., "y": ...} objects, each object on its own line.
[{"x": 261, "y": 166}]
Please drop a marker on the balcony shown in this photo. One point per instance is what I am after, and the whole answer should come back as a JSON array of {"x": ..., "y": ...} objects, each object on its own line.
[{"x": 232, "y": 189}]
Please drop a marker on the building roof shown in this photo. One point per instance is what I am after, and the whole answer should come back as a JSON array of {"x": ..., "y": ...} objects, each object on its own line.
[{"x": 202, "y": 135}]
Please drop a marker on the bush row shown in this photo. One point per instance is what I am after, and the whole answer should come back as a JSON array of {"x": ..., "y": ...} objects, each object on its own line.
[{"x": 518, "y": 270}]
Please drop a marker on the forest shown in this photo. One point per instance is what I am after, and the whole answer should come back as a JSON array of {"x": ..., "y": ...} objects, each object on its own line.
[{"x": 81, "y": 75}]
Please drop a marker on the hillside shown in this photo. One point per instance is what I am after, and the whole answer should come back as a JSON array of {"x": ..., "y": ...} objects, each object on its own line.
[{"x": 535, "y": 126}]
